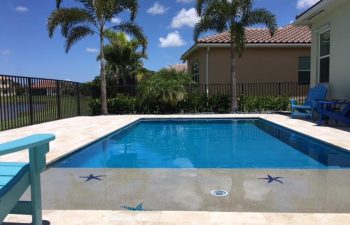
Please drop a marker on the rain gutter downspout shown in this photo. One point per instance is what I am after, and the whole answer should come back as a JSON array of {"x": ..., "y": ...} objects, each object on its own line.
[{"x": 207, "y": 71}]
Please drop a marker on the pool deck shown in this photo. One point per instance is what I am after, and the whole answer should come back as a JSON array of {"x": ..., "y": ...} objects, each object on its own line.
[{"x": 74, "y": 133}]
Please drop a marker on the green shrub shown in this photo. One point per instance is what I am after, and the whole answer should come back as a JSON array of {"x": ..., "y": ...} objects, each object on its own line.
[
  {"x": 95, "y": 106},
  {"x": 263, "y": 104},
  {"x": 162, "y": 92},
  {"x": 193, "y": 103},
  {"x": 199, "y": 103},
  {"x": 121, "y": 104}
]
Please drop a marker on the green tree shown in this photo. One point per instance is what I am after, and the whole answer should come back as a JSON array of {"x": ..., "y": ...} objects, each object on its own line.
[
  {"x": 93, "y": 18},
  {"x": 232, "y": 16},
  {"x": 167, "y": 86},
  {"x": 123, "y": 56}
]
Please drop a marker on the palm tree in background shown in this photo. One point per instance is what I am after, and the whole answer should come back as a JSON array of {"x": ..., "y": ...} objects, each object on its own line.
[
  {"x": 232, "y": 16},
  {"x": 124, "y": 56},
  {"x": 94, "y": 17}
]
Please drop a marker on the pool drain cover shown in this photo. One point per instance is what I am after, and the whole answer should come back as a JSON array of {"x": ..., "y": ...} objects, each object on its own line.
[{"x": 219, "y": 193}]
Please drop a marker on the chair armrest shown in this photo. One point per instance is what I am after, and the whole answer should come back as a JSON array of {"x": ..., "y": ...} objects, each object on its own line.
[
  {"x": 293, "y": 102},
  {"x": 26, "y": 143},
  {"x": 38, "y": 146}
]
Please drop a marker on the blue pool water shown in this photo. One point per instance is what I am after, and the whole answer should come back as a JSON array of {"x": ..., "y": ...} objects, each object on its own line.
[{"x": 252, "y": 143}]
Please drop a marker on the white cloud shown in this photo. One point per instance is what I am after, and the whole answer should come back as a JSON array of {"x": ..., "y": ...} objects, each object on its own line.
[
  {"x": 6, "y": 52},
  {"x": 185, "y": 18},
  {"x": 304, "y": 4},
  {"x": 173, "y": 39},
  {"x": 116, "y": 20},
  {"x": 21, "y": 9},
  {"x": 157, "y": 9},
  {"x": 91, "y": 50},
  {"x": 184, "y": 1}
]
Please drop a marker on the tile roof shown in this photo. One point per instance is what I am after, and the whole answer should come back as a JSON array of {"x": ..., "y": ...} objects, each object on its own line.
[
  {"x": 285, "y": 35},
  {"x": 45, "y": 84},
  {"x": 178, "y": 67}
]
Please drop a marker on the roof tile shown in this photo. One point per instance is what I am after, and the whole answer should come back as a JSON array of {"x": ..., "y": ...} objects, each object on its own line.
[{"x": 285, "y": 35}]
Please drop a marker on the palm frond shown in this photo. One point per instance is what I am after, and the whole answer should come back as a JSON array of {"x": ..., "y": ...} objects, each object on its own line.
[
  {"x": 207, "y": 23},
  {"x": 131, "y": 5},
  {"x": 75, "y": 34},
  {"x": 88, "y": 5},
  {"x": 67, "y": 18},
  {"x": 261, "y": 16},
  {"x": 202, "y": 4},
  {"x": 134, "y": 31}
]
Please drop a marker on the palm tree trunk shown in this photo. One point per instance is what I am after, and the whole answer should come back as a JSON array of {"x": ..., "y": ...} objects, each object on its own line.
[
  {"x": 233, "y": 80},
  {"x": 104, "y": 109}
]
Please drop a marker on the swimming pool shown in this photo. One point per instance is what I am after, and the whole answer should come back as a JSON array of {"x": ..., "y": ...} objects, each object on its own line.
[{"x": 207, "y": 143}]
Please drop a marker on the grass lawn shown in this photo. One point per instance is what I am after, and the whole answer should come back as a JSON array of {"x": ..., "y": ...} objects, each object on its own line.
[{"x": 15, "y": 110}]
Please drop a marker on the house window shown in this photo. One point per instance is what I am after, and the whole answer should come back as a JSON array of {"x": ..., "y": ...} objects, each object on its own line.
[
  {"x": 195, "y": 72},
  {"x": 304, "y": 70},
  {"x": 324, "y": 59}
]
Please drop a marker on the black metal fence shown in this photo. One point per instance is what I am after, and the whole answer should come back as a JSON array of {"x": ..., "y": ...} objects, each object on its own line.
[
  {"x": 295, "y": 90},
  {"x": 26, "y": 100}
]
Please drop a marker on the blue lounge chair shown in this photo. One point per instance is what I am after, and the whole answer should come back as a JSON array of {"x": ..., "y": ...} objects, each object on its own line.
[
  {"x": 15, "y": 178},
  {"x": 319, "y": 92},
  {"x": 327, "y": 112}
]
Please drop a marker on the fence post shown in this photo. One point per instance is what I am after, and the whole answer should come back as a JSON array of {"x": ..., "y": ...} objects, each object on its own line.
[
  {"x": 78, "y": 99},
  {"x": 279, "y": 89},
  {"x": 30, "y": 95},
  {"x": 58, "y": 96}
]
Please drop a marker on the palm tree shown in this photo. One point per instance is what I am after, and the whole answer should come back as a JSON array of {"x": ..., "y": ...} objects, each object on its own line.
[
  {"x": 122, "y": 55},
  {"x": 232, "y": 16},
  {"x": 93, "y": 17}
]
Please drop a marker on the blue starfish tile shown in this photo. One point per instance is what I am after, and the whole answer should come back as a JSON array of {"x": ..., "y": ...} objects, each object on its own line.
[
  {"x": 139, "y": 207},
  {"x": 271, "y": 179},
  {"x": 92, "y": 177}
]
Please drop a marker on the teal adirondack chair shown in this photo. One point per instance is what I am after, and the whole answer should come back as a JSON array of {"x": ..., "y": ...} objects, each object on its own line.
[
  {"x": 319, "y": 92},
  {"x": 15, "y": 178}
]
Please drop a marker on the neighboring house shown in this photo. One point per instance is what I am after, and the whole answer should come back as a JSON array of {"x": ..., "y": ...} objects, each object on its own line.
[
  {"x": 178, "y": 67},
  {"x": 285, "y": 57},
  {"x": 330, "y": 52},
  {"x": 45, "y": 87},
  {"x": 7, "y": 87}
]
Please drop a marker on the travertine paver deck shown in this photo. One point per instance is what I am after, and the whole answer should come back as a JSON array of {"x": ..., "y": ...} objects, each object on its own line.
[
  {"x": 77, "y": 132},
  {"x": 106, "y": 217}
]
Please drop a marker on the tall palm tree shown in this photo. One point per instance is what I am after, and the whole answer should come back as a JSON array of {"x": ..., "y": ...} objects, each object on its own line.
[
  {"x": 93, "y": 18},
  {"x": 232, "y": 16}
]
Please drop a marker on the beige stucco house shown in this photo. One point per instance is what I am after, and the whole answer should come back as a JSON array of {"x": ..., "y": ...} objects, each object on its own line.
[
  {"x": 329, "y": 21},
  {"x": 285, "y": 57}
]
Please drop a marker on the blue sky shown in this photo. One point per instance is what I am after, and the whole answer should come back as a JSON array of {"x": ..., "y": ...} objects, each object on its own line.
[{"x": 26, "y": 49}]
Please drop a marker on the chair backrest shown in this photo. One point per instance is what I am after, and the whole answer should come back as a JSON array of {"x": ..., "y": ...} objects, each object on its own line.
[{"x": 319, "y": 92}]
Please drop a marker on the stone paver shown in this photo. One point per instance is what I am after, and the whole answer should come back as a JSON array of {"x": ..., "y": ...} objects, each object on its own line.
[{"x": 96, "y": 217}]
